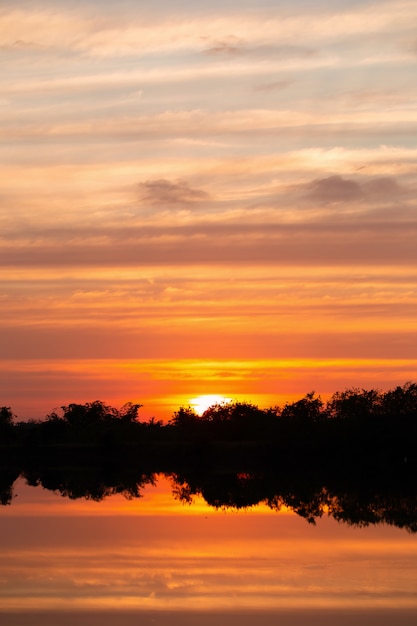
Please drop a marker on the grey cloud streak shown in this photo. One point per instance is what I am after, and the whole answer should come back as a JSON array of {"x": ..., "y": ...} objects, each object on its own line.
[
  {"x": 163, "y": 192},
  {"x": 275, "y": 85},
  {"x": 276, "y": 229},
  {"x": 294, "y": 617},
  {"x": 339, "y": 242},
  {"x": 338, "y": 189},
  {"x": 232, "y": 45},
  {"x": 334, "y": 189}
]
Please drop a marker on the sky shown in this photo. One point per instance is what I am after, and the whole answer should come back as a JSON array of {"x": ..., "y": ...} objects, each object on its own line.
[{"x": 206, "y": 198}]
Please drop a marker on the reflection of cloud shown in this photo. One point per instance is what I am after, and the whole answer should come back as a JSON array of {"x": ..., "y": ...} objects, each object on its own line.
[{"x": 162, "y": 192}]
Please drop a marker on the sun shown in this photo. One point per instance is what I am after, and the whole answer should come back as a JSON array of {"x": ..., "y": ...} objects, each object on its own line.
[{"x": 202, "y": 403}]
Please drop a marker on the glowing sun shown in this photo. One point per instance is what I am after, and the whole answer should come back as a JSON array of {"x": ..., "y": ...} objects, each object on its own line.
[{"x": 202, "y": 403}]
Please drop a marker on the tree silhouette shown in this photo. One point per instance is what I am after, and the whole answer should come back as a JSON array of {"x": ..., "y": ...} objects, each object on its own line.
[{"x": 6, "y": 424}]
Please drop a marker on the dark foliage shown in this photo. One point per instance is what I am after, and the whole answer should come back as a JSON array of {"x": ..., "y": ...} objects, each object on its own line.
[
  {"x": 354, "y": 421},
  {"x": 354, "y": 457}
]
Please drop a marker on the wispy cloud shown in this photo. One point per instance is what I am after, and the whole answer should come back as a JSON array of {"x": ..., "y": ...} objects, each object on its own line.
[
  {"x": 162, "y": 193},
  {"x": 338, "y": 189},
  {"x": 334, "y": 189}
]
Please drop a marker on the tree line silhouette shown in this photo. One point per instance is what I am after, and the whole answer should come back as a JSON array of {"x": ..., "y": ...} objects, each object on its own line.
[
  {"x": 352, "y": 422},
  {"x": 353, "y": 457}
]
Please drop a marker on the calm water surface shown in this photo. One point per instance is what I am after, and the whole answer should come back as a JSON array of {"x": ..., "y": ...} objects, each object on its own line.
[{"x": 154, "y": 560}]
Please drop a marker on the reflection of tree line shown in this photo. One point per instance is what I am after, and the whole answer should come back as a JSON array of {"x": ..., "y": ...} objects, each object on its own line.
[
  {"x": 311, "y": 496},
  {"x": 353, "y": 458}
]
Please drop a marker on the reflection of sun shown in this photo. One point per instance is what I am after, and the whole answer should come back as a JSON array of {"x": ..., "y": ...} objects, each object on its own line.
[{"x": 202, "y": 403}]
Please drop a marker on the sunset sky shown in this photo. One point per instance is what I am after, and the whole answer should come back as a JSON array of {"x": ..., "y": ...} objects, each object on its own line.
[{"x": 206, "y": 198}]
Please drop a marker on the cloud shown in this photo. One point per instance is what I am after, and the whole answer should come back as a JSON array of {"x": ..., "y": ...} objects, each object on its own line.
[
  {"x": 88, "y": 31},
  {"x": 341, "y": 240},
  {"x": 338, "y": 189},
  {"x": 383, "y": 187},
  {"x": 334, "y": 189},
  {"x": 228, "y": 45},
  {"x": 164, "y": 192},
  {"x": 232, "y": 45},
  {"x": 22, "y": 44},
  {"x": 274, "y": 85},
  {"x": 208, "y": 617}
]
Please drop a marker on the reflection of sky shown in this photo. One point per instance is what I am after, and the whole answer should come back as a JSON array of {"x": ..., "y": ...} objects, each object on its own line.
[{"x": 78, "y": 556}]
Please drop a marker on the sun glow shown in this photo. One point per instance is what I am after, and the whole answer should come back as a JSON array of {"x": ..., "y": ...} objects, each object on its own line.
[{"x": 202, "y": 403}]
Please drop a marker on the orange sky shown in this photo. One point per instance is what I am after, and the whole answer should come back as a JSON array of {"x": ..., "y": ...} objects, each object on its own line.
[{"x": 206, "y": 199}]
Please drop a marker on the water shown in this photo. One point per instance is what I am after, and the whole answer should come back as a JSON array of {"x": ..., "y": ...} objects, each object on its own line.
[{"x": 155, "y": 560}]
